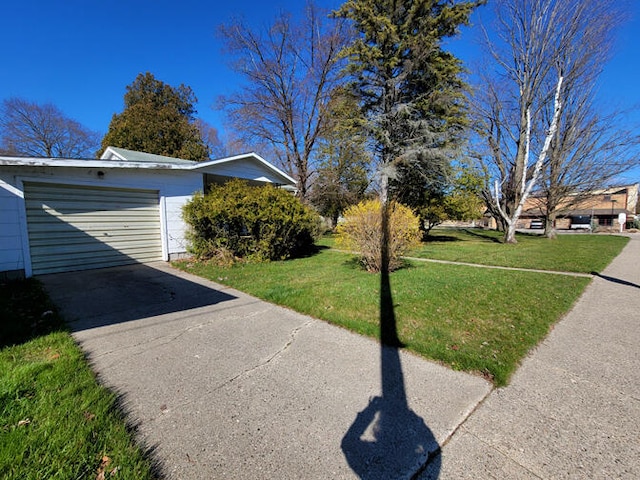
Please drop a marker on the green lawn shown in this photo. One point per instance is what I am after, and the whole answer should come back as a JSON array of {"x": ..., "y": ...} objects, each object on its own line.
[
  {"x": 56, "y": 422},
  {"x": 473, "y": 319},
  {"x": 585, "y": 253}
]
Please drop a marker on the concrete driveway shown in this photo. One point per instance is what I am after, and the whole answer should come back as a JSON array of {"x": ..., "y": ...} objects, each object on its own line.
[{"x": 223, "y": 385}]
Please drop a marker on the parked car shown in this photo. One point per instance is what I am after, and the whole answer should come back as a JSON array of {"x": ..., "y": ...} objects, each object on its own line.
[
  {"x": 581, "y": 222},
  {"x": 536, "y": 224}
]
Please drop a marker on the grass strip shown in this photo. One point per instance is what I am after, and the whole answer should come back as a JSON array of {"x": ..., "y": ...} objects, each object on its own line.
[
  {"x": 477, "y": 320},
  {"x": 581, "y": 253},
  {"x": 56, "y": 421}
]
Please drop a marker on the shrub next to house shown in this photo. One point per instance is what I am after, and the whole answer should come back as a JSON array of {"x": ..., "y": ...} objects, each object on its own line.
[{"x": 255, "y": 223}]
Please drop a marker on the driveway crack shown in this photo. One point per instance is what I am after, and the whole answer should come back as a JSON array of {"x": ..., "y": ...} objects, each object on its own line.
[
  {"x": 162, "y": 340},
  {"x": 292, "y": 337}
]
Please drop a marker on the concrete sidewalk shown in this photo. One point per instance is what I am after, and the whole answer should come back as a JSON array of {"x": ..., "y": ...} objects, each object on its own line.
[
  {"x": 223, "y": 385},
  {"x": 572, "y": 410}
]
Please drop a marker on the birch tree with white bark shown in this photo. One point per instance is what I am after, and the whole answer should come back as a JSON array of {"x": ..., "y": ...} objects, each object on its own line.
[{"x": 539, "y": 50}]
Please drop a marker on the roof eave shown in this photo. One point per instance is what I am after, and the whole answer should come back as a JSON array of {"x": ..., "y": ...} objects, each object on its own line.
[{"x": 219, "y": 161}]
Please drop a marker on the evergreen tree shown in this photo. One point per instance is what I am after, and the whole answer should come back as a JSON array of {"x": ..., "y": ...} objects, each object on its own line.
[
  {"x": 159, "y": 119},
  {"x": 410, "y": 88}
]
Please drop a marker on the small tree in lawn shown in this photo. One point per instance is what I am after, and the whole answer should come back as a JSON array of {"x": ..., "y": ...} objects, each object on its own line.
[
  {"x": 459, "y": 200},
  {"x": 362, "y": 231}
]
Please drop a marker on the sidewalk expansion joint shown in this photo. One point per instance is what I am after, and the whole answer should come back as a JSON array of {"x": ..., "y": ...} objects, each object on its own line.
[
  {"x": 466, "y": 416},
  {"x": 505, "y": 454},
  {"x": 432, "y": 456},
  {"x": 438, "y": 451}
]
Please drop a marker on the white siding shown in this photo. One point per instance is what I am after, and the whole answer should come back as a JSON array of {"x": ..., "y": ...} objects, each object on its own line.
[
  {"x": 11, "y": 257},
  {"x": 176, "y": 228},
  {"x": 248, "y": 169}
]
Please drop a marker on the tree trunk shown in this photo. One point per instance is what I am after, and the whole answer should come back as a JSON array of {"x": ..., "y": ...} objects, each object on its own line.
[
  {"x": 510, "y": 234},
  {"x": 550, "y": 226},
  {"x": 334, "y": 220}
]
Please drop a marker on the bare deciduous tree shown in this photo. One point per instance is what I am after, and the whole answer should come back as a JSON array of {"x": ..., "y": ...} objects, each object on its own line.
[
  {"x": 547, "y": 55},
  {"x": 31, "y": 129},
  {"x": 590, "y": 149},
  {"x": 592, "y": 144},
  {"x": 211, "y": 139},
  {"x": 290, "y": 70}
]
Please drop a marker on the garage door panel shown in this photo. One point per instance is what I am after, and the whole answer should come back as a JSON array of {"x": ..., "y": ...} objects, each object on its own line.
[
  {"x": 95, "y": 258},
  {"x": 44, "y": 237},
  {"x": 87, "y": 210},
  {"x": 78, "y": 227},
  {"x": 95, "y": 227},
  {"x": 69, "y": 249},
  {"x": 87, "y": 264},
  {"x": 74, "y": 242}
]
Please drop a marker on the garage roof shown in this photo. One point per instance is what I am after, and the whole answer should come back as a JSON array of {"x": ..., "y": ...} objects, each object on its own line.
[{"x": 115, "y": 157}]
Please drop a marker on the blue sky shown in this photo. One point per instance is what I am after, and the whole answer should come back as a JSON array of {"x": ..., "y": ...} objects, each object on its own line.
[{"x": 81, "y": 54}]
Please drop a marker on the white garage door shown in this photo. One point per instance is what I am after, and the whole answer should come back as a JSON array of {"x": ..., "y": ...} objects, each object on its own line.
[{"x": 79, "y": 228}]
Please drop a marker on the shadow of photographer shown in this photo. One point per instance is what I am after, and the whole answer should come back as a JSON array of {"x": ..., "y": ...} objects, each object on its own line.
[{"x": 388, "y": 440}]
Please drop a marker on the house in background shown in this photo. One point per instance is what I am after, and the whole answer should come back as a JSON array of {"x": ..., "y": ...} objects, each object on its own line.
[
  {"x": 599, "y": 208},
  {"x": 60, "y": 215}
]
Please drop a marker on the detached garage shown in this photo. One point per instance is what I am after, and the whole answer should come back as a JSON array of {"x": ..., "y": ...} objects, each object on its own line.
[{"x": 59, "y": 215}]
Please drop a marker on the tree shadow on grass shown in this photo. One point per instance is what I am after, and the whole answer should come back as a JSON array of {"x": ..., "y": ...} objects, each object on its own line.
[
  {"x": 387, "y": 439},
  {"x": 356, "y": 263},
  {"x": 149, "y": 452},
  {"x": 311, "y": 251},
  {"x": 483, "y": 235},
  {"x": 26, "y": 312},
  {"x": 432, "y": 238}
]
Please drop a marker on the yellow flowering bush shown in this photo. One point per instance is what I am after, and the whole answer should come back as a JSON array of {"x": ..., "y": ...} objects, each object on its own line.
[{"x": 361, "y": 231}]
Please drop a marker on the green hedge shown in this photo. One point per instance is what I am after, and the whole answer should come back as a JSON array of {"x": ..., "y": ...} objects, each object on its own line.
[{"x": 255, "y": 223}]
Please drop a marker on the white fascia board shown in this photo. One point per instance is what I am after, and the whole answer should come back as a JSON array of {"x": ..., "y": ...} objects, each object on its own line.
[
  {"x": 109, "y": 152},
  {"x": 252, "y": 155},
  {"x": 54, "y": 162}
]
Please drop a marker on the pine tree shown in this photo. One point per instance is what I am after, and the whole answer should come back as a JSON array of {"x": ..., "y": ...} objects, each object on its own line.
[
  {"x": 159, "y": 119},
  {"x": 409, "y": 86}
]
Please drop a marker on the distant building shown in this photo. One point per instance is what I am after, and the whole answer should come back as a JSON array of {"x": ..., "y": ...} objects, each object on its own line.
[{"x": 599, "y": 208}]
